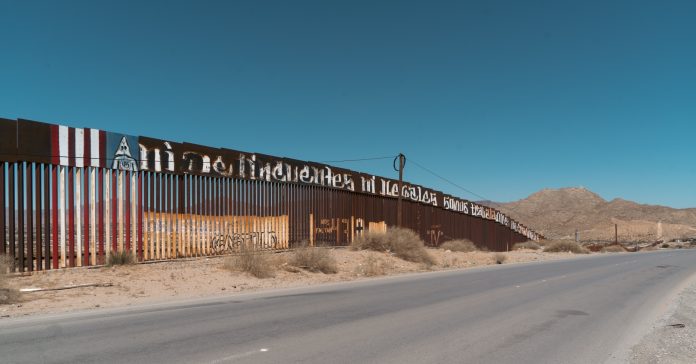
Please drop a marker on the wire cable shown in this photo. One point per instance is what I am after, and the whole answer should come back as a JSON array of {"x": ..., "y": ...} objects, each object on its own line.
[
  {"x": 113, "y": 158},
  {"x": 357, "y": 159},
  {"x": 464, "y": 189},
  {"x": 448, "y": 181}
]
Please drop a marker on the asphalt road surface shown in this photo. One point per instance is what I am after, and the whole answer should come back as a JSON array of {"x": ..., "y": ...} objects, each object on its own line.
[{"x": 586, "y": 310}]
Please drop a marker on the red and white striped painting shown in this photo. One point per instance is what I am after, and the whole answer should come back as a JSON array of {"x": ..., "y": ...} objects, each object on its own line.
[{"x": 78, "y": 147}]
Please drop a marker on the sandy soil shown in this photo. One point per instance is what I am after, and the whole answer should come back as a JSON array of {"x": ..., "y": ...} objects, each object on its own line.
[
  {"x": 203, "y": 277},
  {"x": 669, "y": 342}
]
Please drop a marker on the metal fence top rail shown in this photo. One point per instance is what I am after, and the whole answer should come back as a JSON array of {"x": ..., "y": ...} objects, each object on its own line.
[{"x": 32, "y": 141}]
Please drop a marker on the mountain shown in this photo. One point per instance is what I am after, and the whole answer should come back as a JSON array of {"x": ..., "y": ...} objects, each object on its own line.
[{"x": 557, "y": 213}]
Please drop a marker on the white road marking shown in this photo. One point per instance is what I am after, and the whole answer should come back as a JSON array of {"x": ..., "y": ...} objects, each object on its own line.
[{"x": 238, "y": 356}]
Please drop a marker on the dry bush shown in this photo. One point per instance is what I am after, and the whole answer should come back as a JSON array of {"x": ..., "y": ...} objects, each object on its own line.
[
  {"x": 256, "y": 263},
  {"x": 459, "y": 245},
  {"x": 120, "y": 258},
  {"x": 403, "y": 243},
  {"x": 526, "y": 245},
  {"x": 613, "y": 249},
  {"x": 289, "y": 268},
  {"x": 314, "y": 260},
  {"x": 6, "y": 266},
  {"x": 562, "y": 246},
  {"x": 449, "y": 263},
  {"x": 499, "y": 258},
  {"x": 372, "y": 266},
  {"x": 7, "y": 294}
]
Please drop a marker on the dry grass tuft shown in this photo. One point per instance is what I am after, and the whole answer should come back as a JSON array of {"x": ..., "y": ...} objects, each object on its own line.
[
  {"x": 449, "y": 262},
  {"x": 314, "y": 260},
  {"x": 613, "y": 249},
  {"x": 459, "y": 245},
  {"x": 526, "y": 245},
  {"x": 120, "y": 258},
  {"x": 499, "y": 258},
  {"x": 403, "y": 243},
  {"x": 255, "y": 263},
  {"x": 289, "y": 268},
  {"x": 562, "y": 246},
  {"x": 372, "y": 266},
  {"x": 6, "y": 266},
  {"x": 7, "y": 294}
]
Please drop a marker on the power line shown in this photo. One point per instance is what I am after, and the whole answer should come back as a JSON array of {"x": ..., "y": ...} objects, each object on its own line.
[
  {"x": 112, "y": 158},
  {"x": 462, "y": 188},
  {"x": 357, "y": 159},
  {"x": 447, "y": 180},
  {"x": 60, "y": 156}
]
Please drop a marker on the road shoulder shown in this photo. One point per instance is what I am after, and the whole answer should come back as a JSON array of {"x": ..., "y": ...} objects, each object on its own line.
[
  {"x": 120, "y": 286},
  {"x": 668, "y": 341}
]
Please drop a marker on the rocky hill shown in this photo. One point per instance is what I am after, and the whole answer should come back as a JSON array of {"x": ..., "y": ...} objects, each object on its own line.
[{"x": 557, "y": 213}]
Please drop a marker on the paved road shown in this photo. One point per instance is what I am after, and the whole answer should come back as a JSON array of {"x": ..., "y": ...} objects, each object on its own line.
[{"x": 584, "y": 310}]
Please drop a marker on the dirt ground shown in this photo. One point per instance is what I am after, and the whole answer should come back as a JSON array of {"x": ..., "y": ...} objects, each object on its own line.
[{"x": 204, "y": 277}]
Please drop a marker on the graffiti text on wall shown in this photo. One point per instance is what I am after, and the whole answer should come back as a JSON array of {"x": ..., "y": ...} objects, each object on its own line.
[
  {"x": 232, "y": 243},
  {"x": 83, "y": 147}
]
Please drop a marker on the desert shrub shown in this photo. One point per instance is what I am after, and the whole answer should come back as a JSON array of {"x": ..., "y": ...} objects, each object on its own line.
[
  {"x": 562, "y": 246},
  {"x": 449, "y": 262},
  {"x": 459, "y": 245},
  {"x": 499, "y": 258},
  {"x": 289, "y": 268},
  {"x": 665, "y": 245},
  {"x": 7, "y": 294},
  {"x": 314, "y": 260},
  {"x": 257, "y": 264},
  {"x": 120, "y": 258},
  {"x": 526, "y": 245},
  {"x": 613, "y": 249},
  {"x": 6, "y": 266},
  {"x": 403, "y": 243},
  {"x": 372, "y": 266}
]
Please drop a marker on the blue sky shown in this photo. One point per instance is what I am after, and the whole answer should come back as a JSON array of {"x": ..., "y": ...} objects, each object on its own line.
[{"x": 502, "y": 97}]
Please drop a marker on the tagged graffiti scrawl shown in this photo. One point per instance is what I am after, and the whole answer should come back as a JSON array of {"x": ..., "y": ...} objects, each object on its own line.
[
  {"x": 359, "y": 226},
  {"x": 434, "y": 233},
  {"x": 331, "y": 229},
  {"x": 230, "y": 243}
]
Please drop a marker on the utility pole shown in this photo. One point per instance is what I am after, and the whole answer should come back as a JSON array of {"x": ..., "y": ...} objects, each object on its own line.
[
  {"x": 616, "y": 233},
  {"x": 402, "y": 164}
]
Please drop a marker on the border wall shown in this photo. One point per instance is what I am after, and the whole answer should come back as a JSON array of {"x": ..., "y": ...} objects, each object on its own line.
[{"x": 71, "y": 196}]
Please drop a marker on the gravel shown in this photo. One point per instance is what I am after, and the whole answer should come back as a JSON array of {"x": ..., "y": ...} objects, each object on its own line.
[{"x": 669, "y": 341}]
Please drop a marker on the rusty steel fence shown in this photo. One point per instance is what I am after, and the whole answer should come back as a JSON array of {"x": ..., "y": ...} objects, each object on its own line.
[{"x": 71, "y": 196}]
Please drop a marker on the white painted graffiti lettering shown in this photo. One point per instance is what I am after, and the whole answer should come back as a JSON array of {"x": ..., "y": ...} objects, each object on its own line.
[{"x": 455, "y": 205}]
